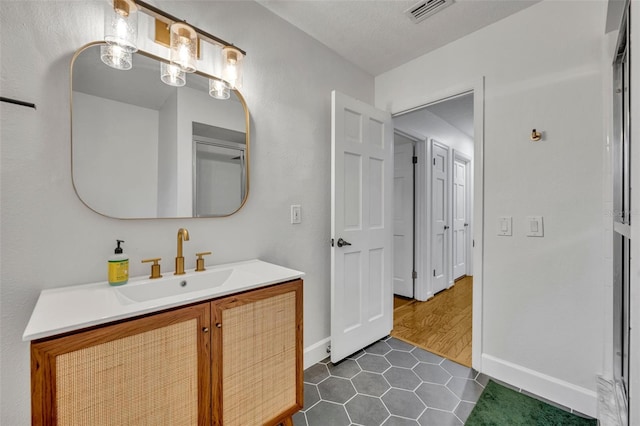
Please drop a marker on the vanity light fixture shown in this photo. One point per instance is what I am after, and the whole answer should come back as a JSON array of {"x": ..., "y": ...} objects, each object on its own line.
[
  {"x": 121, "y": 25},
  {"x": 219, "y": 89},
  {"x": 232, "y": 59},
  {"x": 183, "y": 41},
  {"x": 172, "y": 75}
]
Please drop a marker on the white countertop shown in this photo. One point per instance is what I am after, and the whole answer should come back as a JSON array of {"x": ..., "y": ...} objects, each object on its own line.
[{"x": 65, "y": 309}]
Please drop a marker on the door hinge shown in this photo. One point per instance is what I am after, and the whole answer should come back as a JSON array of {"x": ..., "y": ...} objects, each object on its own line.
[
  {"x": 414, "y": 275},
  {"x": 414, "y": 159},
  {"x": 434, "y": 272},
  {"x": 473, "y": 243},
  {"x": 434, "y": 161}
]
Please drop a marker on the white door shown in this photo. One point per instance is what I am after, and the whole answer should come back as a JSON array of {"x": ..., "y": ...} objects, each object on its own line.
[
  {"x": 439, "y": 216},
  {"x": 403, "y": 217},
  {"x": 361, "y": 225},
  {"x": 460, "y": 216}
]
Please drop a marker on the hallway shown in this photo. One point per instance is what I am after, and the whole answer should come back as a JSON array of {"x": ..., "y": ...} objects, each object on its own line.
[{"x": 442, "y": 325}]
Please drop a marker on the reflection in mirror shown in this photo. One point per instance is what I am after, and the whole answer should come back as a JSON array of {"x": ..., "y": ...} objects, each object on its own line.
[
  {"x": 143, "y": 149},
  {"x": 219, "y": 156}
]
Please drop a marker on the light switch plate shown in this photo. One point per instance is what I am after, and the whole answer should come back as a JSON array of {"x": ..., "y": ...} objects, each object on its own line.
[
  {"x": 534, "y": 226},
  {"x": 504, "y": 226},
  {"x": 296, "y": 214}
]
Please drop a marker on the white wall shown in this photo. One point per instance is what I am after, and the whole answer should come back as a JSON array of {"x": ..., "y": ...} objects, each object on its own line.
[
  {"x": 167, "y": 154},
  {"x": 542, "y": 297},
  {"x": 50, "y": 239},
  {"x": 106, "y": 162}
]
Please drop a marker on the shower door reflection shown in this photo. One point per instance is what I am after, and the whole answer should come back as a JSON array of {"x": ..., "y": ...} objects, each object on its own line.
[{"x": 218, "y": 177}]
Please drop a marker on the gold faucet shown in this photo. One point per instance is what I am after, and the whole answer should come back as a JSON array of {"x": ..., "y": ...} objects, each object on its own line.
[{"x": 183, "y": 235}]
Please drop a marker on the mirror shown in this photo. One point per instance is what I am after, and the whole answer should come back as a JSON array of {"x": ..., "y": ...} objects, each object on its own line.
[{"x": 143, "y": 149}]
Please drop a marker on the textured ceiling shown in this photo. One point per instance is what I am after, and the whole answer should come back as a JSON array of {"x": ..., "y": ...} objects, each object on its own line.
[{"x": 377, "y": 35}]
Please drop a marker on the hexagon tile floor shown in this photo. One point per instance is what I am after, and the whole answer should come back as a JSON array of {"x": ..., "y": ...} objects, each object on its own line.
[{"x": 389, "y": 383}]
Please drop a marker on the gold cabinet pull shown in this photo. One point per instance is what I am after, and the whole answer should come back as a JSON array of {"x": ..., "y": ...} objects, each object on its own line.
[
  {"x": 205, "y": 329},
  {"x": 218, "y": 325}
]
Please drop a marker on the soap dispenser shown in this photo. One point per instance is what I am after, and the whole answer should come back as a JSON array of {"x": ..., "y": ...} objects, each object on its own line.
[{"x": 118, "y": 266}]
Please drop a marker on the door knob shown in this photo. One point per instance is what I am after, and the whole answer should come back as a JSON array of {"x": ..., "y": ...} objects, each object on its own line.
[
  {"x": 342, "y": 243},
  {"x": 466, "y": 224},
  {"x": 446, "y": 227}
]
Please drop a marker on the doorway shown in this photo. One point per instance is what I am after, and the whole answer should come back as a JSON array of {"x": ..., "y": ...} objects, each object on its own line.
[
  {"x": 361, "y": 179},
  {"x": 435, "y": 144}
]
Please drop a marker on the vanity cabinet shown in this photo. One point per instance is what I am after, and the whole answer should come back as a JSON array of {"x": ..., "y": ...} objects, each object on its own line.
[{"x": 236, "y": 360}]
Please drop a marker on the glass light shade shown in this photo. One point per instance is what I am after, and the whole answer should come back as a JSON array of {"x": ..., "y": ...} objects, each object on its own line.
[
  {"x": 232, "y": 59},
  {"x": 184, "y": 45},
  {"x": 172, "y": 75},
  {"x": 121, "y": 25},
  {"x": 219, "y": 89},
  {"x": 116, "y": 57}
]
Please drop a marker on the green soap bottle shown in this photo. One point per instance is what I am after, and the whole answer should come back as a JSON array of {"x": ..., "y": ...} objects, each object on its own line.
[{"x": 118, "y": 266}]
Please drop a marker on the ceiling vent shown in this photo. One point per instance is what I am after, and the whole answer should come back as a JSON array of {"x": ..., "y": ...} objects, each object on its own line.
[{"x": 422, "y": 10}]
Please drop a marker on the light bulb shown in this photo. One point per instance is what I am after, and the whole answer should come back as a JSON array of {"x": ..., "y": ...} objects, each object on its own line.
[
  {"x": 172, "y": 75},
  {"x": 116, "y": 57},
  {"x": 219, "y": 89}
]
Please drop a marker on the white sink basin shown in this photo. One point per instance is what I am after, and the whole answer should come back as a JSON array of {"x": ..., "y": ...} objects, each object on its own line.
[
  {"x": 64, "y": 309},
  {"x": 173, "y": 285}
]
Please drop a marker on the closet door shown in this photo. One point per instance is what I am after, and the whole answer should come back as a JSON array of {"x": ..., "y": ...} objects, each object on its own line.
[
  {"x": 403, "y": 218},
  {"x": 461, "y": 215},
  {"x": 440, "y": 227}
]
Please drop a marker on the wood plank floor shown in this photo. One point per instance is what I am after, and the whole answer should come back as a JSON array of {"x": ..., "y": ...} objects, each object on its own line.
[{"x": 441, "y": 325}]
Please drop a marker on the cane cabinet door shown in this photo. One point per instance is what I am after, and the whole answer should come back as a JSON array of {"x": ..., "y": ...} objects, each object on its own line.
[{"x": 151, "y": 370}]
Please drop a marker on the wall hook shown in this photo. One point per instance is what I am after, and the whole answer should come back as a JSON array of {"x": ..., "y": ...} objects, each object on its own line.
[{"x": 535, "y": 135}]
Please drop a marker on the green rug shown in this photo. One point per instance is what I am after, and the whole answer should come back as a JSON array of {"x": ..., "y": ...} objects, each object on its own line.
[{"x": 500, "y": 406}]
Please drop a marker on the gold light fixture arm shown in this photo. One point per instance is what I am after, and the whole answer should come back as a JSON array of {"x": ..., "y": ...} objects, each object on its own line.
[{"x": 170, "y": 19}]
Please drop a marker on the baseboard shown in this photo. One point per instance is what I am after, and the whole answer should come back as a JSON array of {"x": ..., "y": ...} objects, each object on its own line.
[
  {"x": 316, "y": 352},
  {"x": 564, "y": 393}
]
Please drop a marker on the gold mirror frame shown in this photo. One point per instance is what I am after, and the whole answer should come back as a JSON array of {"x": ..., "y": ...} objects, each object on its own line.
[{"x": 200, "y": 73}]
